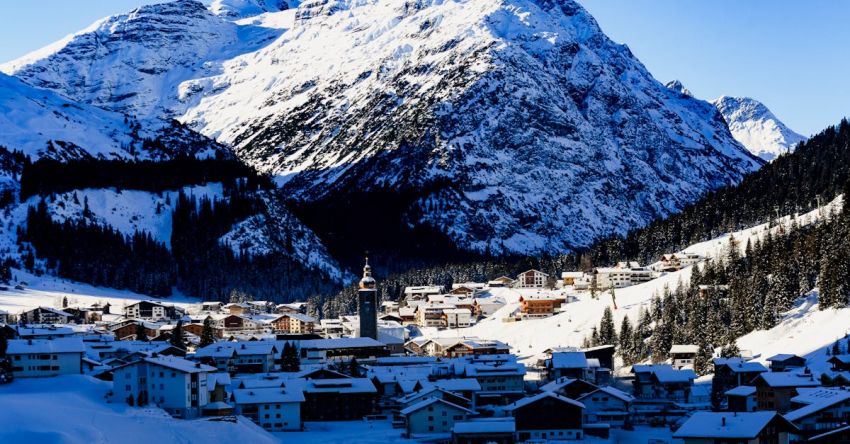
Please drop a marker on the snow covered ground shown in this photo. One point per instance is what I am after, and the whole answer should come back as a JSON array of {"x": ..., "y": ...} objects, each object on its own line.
[
  {"x": 72, "y": 409},
  {"x": 49, "y": 290},
  {"x": 804, "y": 330}
]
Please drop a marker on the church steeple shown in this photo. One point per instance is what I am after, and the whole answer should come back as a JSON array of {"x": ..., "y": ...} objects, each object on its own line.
[{"x": 368, "y": 282}]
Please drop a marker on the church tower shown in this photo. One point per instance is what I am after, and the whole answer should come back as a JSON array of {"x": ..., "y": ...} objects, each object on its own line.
[{"x": 367, "y": 304}]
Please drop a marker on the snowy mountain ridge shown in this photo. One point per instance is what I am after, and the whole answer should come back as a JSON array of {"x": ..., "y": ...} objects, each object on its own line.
[
  {"x": 484, "y": 114},
  {"x": 756, "y": 127}
]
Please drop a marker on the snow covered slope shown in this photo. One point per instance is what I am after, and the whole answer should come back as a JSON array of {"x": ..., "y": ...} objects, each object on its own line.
[
  {"x": 236, "y": 9},
  {"x": 756, "y": 127},
  {"x": 41, "y": 123},
  {"x": 486, "y": 114},
  {"x": 72, "y": 409},
  {"x": 134, "y": 63},
  {"x": 804, "y": 329}
]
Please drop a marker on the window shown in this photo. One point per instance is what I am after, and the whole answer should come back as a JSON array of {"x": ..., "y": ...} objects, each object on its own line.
[{"x": 430, "y": 428}]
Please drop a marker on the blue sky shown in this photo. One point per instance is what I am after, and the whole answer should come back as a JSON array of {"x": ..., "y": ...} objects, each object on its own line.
[{"x": 791, "y": 55}]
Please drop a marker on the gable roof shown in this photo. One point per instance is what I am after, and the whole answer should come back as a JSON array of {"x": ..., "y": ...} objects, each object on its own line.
[
  {"x": 741, "y": 390},
  {"x": 532, "y": 399},
  {"x": 180, "y": 364},
  {"x": 420, "y": 405},
  {"x": 789, "y": 379},
  {"x": 267, "y": 395},
  {"x": 816, "y": 400},
  {"x": 782, "y": 357},
  {"x": 611, "y": 391},
  {"x": 738, "y": 425}
]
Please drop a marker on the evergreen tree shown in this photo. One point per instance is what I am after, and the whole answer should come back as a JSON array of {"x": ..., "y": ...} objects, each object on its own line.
[
  {"x": 702, "y": 362},
  {"x": 177, "y": 338},
  {"x": 289, "y": 358},
  {"x": 207, "y": 336},
  {"x": 141, "y": 334},
  {"x": 607, "y": 332},
  {"x": 626, "y": 342},
  {"x": 354, "y": 368}
]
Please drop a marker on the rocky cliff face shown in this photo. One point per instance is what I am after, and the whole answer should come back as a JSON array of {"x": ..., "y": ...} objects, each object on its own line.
[{"x": 756, "y": 127}]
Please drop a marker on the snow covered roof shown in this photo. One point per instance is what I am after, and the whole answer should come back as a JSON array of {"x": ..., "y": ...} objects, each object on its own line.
[
  {"x": 405, "y": 360},
  {"x": 789, "y": 379},
  {"x": 267, "y": 395},
  {"x": 665, "y": 373},
  {"x": 619, "y": 394},
  {"x": 532, "y": 399},
  {"x": 50, "y": 330},
  {"x": 180, "y": 364},
  {"x": 458, "y": 384},
  {"x": 782, "y": 357},
  {"x": 741, "y": 390},
  {"x": 684, "y": 349},
  {"x": 58, "y": 345},
  {"x": 557, "y": 384},
  {"x": 486, "y": 425},
  {"x": 817, "y": 400},
  {"x": 572, "y": 274},
  {"x": 299, "y": 316},
  {"x": 243, "y": 348},
  {"x": 569, "y": 360},
  {"x": 739, "y": 365},
  {"x": 218, "y": 378},
  {"x": 425, "y": 403},
  {"x": 342, "y": 385},
  {"x": 328, "y": 344},
  {"x": 485, "y": 369},
  {"x": 739, "y": 425}
]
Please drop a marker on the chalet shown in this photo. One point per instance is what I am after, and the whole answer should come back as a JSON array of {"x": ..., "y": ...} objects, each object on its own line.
[
  {"x": 294, "y": 323},
  {"x": 502, "y": 281},
  {"x": 785, "y": 362},
  {"x": 431, "y": 314},
  {"x": 462, "y": 291},
  {"x": 683, "y": 355},
  {"x": 275, "y": 409},
  {"x": 662, "y": 381},
  {"x": 238, "y": 308},
  {"x": 239, "y": 357},
  {"x": 840, "y": 363},
  {"x": 331, "y": 328},
  {"x": 421, "y": 292},
  {"x": 486, "y": 306},
  {"x": 741, "y": 399},
  {"x": 407, "y": 315},
  {"x": 45, "y": 315},
  {"x": 174, "y": 384},
  {"x": 484, "y": 431},
  {"x": 128, "y": 330},
  {"x": 338, "y": 399},
  {"x": 500, "y": 380},
  {"x": 218, "y": 385},
  {"x": 292, "y": 307},
  {"x": 612, "y": 277},
  {"x": 152, "y": 311},
  {"x": 733, "y": 372},
  {"x": 433, "y": 415},
  {"x": 476, "y": 347},
  {"x": 389, "y": 307},
  {"x": 606, "y": 405},
  {"x": 736, "y": 427},
  {"x": 570, "y": 277},
  {"x": 567, "y": 364},
  {"x": 547, "y": 416},
  {"x": 33, "y": 358},
  {"x": 820, "y": 409},
  {"x": 394, "y": 317},
  {"x": 457, "y": 317},
  {"x": 774, "y": 390},
  {"x": 83, "y": 315},
  {"x": 531, "y": 279},
  {"x": 569, "y": 388},
  {"x": 676, "y": 261},
  {"x": 539, "y": 306}
]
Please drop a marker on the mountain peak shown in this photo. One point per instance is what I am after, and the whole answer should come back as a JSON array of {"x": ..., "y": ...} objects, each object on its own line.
[
  {"x": 677, "y": 86},
  {"x": 756, "y": 127},
  {"x": 237, "y": 9}
]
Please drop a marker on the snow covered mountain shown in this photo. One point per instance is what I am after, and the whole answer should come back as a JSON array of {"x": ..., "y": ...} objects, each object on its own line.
[
  {"x": 41, "y": 123},
  {"x": 508, "y": 126},
  {"x": 756, "y": 127},
  {"x": 236, "y": 9}
]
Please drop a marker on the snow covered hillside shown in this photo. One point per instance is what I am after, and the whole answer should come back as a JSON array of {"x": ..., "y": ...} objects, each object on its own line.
[
  {"x": 803, "y": 330},
  {"x": 39, "y": 410},
  {"x": 485, "y": 114},
  {"x": 41, "y": 123},
  {"x": 756, "y": 127}
]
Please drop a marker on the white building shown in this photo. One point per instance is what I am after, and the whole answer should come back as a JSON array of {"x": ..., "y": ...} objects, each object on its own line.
[
  {"x": 421, "y": 292},
  {"x": 174, "y": 384},
  {"x": 33, "y": 358},
  {"x": 275, "y": 409},
  {"x": 531, "y": 279},
  {"x": 152, "y": 311},
  {"x": 458, "y": 317},
  {"x": 433, "y": 415}
]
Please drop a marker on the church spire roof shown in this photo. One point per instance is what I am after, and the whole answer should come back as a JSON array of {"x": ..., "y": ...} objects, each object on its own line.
[{"x": 368, "y": 282}]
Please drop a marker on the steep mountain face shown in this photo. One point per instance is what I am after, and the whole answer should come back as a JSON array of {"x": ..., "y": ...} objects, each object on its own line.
[
  {"x": 498, "y": 126},
  {"x": 756, "y": 127},
  {"x": 237, "y": 9},
  {"x": 133, "y": 63}
]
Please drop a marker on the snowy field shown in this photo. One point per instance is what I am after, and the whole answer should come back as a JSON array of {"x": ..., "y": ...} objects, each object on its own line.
[
  {"x": 49, "y": 290},
  {"x": 73, "y": 410}
]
